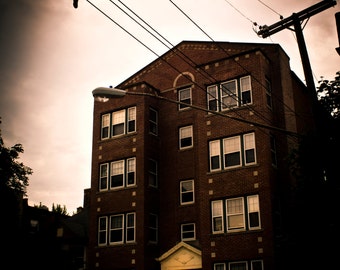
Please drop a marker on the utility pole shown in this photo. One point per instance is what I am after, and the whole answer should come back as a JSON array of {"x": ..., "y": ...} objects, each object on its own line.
[{"x": 295, "y": 20}]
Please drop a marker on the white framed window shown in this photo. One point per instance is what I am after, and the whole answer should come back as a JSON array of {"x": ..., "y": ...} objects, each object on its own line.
[
  {"x": 184, "y": 96},
  {"x": 229, "y": 94},
  {"x": 217, "y": 216},
  {"x": 131, "y": 120},
  {"x": 253, "y": 212},
  {"x": 236, "y": 151},
  {"x": 187, "y": 192},
  {"x": 118, "y": 123},
  {"x": 102, "y": 231},
  {"x": 117, "y": 174},
  {"x": 213, "y": 97},
  {"x": 185, "y": 137},
  {"x": 237, "y": 215},
  {"x": 116, "y": 232},
  {"x": 130, "y": 227},
  {"x": 122, "y": 174},
  {"x": 249, "y": 148},
  {"x": 215, "y": 155},
  {"x": 131, "y": 172},
  {"x": 104, "y": 176},
  {"x": 153, "y": 120},
  {"x": 153, "y": 228},
  {"x": 105, "y": 126},
  {"x": 121, "y": 122},
  {"x": 188, "y": 232},
  {"x": 232, "y": 152},
  {"x": 153, "y": 173}
]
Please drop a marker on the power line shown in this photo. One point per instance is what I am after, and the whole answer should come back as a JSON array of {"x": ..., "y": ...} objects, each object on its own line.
[
  {"x": 281, "y": 17},
  {"x": 147, "y": 47},
  {"x": 229, "y": 54}
]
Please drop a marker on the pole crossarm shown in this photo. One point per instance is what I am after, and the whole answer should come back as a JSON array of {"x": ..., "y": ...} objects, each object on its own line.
[{"x": 266, "y": 31}]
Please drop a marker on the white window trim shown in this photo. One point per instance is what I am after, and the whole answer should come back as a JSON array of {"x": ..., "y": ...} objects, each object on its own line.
[
  {"x": 182, "y": 232},
  {"x": 182, "y": 130},
  {"x": 192, "y": 191},
  {"x": 182, "y": 106},
  {"x": 102, "y": 230},
  {"x": 116, "y": 229}
]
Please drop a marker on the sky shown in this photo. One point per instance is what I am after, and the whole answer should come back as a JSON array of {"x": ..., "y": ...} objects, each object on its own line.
[{"x": 53, "y": 55}]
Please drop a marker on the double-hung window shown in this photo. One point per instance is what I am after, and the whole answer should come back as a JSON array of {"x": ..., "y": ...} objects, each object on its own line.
[
  {"x": 153, "y": 121},
  {"x": 185, "y": 137},
  {"x": 184, "y": 96},
  {"x": 121, "y": 122},
  {"x": 229, "y": 94},
  {"x": 235, "y": 214},
  {"x": 240, "y": 265},
  {"x": 188, "y": 232},
  {"x": 234, "y": 151},
  {"x": 153, "y": 174},
  {"x": 102, "y": 231},
  {"x": 187, "y": 192},
  {"x": 117, "y": 174},
  {"x": 153, "y": 228},
  {"x": 122, "y": 228}
]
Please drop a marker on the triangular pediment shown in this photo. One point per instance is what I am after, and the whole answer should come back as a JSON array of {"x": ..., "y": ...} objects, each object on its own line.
[{"x": 181, "y": 256}]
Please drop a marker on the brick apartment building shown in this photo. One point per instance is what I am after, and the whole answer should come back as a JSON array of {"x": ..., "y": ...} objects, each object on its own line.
[{"x": 197, "y": 177}]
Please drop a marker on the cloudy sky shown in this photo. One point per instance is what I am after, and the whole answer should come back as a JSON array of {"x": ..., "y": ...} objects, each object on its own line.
[{"x": 52, "y": 56}]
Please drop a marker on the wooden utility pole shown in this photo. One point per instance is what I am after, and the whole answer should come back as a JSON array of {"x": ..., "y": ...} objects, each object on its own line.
[{"x": 295, "y": 20}]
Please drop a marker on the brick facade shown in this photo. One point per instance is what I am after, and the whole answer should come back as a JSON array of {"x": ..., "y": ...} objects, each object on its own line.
[{"x": 198, "y": 65}]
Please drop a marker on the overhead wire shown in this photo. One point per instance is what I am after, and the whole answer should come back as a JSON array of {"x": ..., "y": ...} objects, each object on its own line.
[
  {"x": 147, "y": 47},
  {"x": 191, "y": 63},
  {"x": 290, "y": 109}
]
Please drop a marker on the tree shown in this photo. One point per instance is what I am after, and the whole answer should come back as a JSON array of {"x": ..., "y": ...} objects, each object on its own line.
[
  {"x": 59, "y": 209},
  {"x": 13, "y": 174},
  {"x": 329, "y": 95}
]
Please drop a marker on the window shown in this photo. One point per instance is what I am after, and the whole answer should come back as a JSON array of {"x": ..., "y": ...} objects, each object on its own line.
[
  {"x": 118, "y": 123},
  {"x": 236, "y": 151},
  {"x": 273, "y": 150},
  {"x": 229, "y": 94},
  {"x": 187, "y": 192},
  {"x": 122, "y": 174},
  {"x": 269, "y": 94},
  {"x": 239, "y": 214},
  {"x": 185, "y": 137},
  {"x": 153, "y": 174},
  {"x": 122, "y": 122},
  {"x": 188, "y": 232},
  {"x": 153, "y": 228},
  {"x": 184, "y": 96},
  {"x": 102, "y": 231},
  {"x": 215, "y": 155},
  {"x": 105, "y": 130},
  {"x": 241, "y": 265},
  {"x": 153, "y": 119},
  {"x": 122, "y": 229}
]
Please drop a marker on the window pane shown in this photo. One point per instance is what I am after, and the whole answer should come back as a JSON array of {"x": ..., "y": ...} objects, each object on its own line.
[
  {"x": 249, "y": 147},
  {"x": 131, "y": 168},
  {"x": 130, "y": 227},
  {"x": 105, "y": 126},
  {"x": 116, "y": 228},
  {"x": 187, "y": 191},
  {"x": 118, "y": 123},
  {"x": 117, "y": 174},
  {"x": 217, "y": 216},
  {"x": 188, "y": 231},
  {"x": 229, "y": 94},
  {"x": 257, "y": 265},
  {"x": 232, "y": 151},
  {"x": 212, "y": 97},
  {"x": 214, "y": 152},
  {"x": 103, "y": 176},
  {"x": 219, "y": 266},
  {"x": 253, "y": 211},
  {"x": 184, "y": 97},
  {"x": 153, "y": 173},
  {"x": 235, "y": 214},
  {"x": 132, "y": 119},
  {"x": 185, "y": 135}
]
